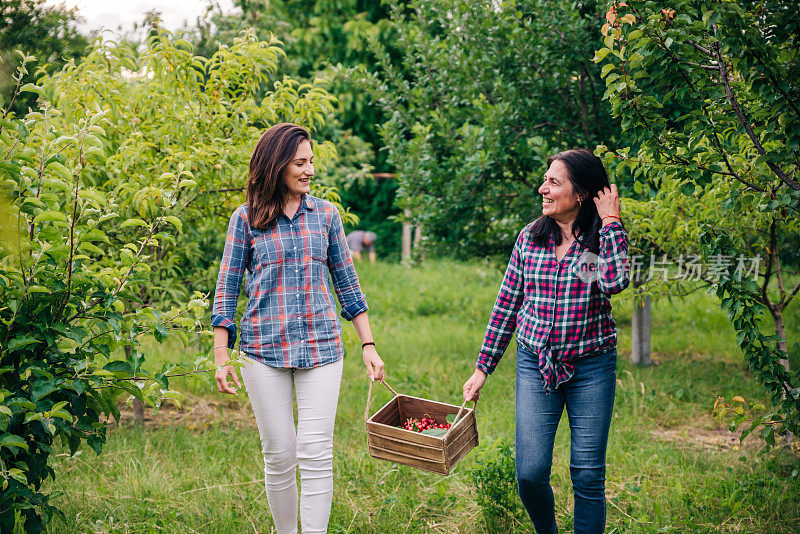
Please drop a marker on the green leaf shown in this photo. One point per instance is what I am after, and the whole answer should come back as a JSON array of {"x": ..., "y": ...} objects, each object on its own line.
[
  {"x": 32, "y": 416},
  {"x": 12, "y": 440},
  {"x": 174, "y": 221},
  {"x": 160, "y": 333},
  {"x": 608, "y": 67},
  {"x": 18, "y": 475},
  {"x": 51, "y": 216},
  {"x": 119, "y": 366},
  {"x": 37, "y": 289},
  {"x": 133, "y": 222},
  {"x": 59, "y": 170},
  {"x": 601, "y": 54},
  {"x": 62, "y": 414},
  {"x": 19, "y": 342},
  {"x": 435, "y": 432},
  {"x": 32, "y": 88}
]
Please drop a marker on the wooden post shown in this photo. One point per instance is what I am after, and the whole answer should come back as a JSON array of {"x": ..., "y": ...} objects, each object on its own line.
[
  {"x": 405, "y": 251},
  {"x": 640, "y": 336}
]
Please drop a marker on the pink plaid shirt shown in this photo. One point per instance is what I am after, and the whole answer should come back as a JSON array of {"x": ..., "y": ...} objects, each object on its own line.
[{"x": 561, "y": 309}]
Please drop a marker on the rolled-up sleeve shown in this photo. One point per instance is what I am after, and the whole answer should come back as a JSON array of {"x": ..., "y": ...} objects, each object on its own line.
[
  {"x": 231, "y": 271},
  {"x": 343, "y": 273},
  {"x": 615, "y": 273}
]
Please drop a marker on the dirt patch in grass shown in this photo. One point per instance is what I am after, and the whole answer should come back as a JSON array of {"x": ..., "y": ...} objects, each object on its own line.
[
  {"x": 698, "y": 437},
  {"x": 194, "y": 412}
]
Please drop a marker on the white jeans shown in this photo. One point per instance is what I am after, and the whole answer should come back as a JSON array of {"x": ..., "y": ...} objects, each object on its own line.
[{"x": 270, "y": 393}]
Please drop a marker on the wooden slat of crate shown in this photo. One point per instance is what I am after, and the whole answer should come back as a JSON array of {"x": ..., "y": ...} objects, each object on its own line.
[
  {"x": 435, "y": 453},
  {"x": 410, "y": 460}
]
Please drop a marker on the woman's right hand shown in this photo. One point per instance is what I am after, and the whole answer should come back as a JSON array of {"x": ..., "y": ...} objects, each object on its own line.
[
  {"x": 221, "y": 376},
  {"x": 472, "y": 387}
]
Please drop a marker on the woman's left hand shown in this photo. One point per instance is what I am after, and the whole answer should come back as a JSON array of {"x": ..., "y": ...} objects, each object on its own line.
[
  {"x": 607, "y": 202},
  {"x": 373, "y": 363}
]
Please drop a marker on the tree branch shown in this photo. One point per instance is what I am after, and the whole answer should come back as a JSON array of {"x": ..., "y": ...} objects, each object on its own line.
[
  {"x": 718, "y": 145},
  {"x": 789, "y": 297},
  {"x": 702, "y": 49},
  {"x": 723, "y": 72}
]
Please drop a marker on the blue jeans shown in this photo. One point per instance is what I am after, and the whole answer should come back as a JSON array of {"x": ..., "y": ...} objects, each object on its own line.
[{"x": 589, "y": 398}]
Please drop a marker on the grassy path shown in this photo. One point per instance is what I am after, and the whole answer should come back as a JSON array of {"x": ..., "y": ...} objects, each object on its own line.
[{"x": 671, "y": 468}]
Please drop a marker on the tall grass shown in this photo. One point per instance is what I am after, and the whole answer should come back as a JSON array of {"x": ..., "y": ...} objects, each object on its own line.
[{"x": 671, "y": 467}]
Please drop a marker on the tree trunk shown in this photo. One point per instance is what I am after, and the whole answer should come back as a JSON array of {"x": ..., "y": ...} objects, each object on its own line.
[
  {"x": 780, "y": 330},
  {"x": 640, "y": 335},
  {"x": 417, "y": 239}
]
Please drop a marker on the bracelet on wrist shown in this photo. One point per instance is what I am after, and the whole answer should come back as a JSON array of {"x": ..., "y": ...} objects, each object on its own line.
[
  {"x": 220, "y": 347},
  {"x": 363, "y": 345}
]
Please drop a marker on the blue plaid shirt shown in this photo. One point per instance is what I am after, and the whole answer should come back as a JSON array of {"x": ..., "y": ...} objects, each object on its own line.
[{"x": 290, "y": 319}]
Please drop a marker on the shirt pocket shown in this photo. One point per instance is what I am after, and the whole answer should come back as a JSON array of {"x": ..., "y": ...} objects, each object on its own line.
[
  {"x": 318, "y": 246},
  {"x": 268, "y": 247}
]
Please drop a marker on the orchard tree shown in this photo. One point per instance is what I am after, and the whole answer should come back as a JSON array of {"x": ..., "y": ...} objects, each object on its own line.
[
  {"x": 65, "y": 291},
  {"x": 711, "y": 92},
  {"x": 168, "y": 106},
  {"x": 45, "y": 31},
  {"x": 118, "y": 194},
  {"x": 327, "y": 40},
  {"x": 482, "y": 94}
]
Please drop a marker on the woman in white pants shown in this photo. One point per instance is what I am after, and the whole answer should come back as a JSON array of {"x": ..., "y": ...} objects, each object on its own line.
[{"x": 289, "y": 246}]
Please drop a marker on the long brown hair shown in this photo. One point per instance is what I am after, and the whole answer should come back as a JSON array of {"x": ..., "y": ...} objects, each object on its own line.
[{"x": 266, "y": 190}]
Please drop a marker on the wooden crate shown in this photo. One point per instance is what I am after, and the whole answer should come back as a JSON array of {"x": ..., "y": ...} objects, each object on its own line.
[{"x": 389, "y": 442}]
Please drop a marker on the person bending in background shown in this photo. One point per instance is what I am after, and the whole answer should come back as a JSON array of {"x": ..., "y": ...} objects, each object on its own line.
[
  {"x": 289, "y": 246},
  {"x": 360, "y": 241},
  {"x": 556, "y": 292}
]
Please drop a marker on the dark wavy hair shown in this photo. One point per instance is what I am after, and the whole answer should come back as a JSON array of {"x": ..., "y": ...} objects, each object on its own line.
[
  {"x": 266, "y": 190},
  {"x": 587, "y": 176}
]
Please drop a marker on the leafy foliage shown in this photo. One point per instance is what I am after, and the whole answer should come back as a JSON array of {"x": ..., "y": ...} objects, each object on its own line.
[
  {"x": 64, "y": 292},
  {"x": 495, "y": 483},
  {"x": 168, "y": 107},
  {"x": 482, "y": 94},
  {"x": 45, "y": 31},
  {"x": 118, "y": 193},
  {"x": 710, "y": 91},
  {"x": 328, "y": 40}
]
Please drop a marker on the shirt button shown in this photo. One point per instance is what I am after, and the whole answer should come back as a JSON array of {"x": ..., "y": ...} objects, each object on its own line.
[{"x": 295, "y": 248}]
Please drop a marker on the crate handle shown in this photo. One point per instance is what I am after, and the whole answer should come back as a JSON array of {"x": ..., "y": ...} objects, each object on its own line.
[
  {"x": 369, "y": 396},
  {"x": 458, "y": 415}
]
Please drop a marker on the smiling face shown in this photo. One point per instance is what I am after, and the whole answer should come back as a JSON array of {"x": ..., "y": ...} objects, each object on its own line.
[
  {"x": 559, "y": 200},
  {"x": 298, "y": 173}
]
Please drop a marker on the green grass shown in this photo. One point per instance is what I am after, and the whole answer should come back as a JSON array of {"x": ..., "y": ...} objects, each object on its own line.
[{"x": 202, "y": 472}]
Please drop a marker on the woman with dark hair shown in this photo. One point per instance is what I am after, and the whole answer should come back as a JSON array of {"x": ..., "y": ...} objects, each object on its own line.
[
  {"x": 290, "y": 246},
  {"x": 556, "y": 292}
]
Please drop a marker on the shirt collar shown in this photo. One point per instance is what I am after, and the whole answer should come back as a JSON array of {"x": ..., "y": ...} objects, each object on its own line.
[{"x": 307, "y": 202}]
